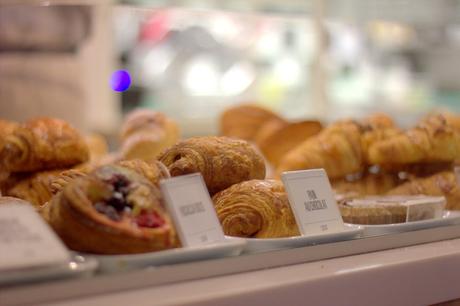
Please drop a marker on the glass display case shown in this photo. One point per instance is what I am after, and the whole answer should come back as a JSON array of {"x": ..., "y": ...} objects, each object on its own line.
[{"x": 93, "y": 64}]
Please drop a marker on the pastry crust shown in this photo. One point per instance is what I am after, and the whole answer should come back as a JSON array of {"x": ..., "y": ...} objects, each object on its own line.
[
  {"x": 42, "y": 144},
  {"x": 112, "y": 210},
  {"x": 244, "y": 121},
  {"x": 369, "y": 184},
  {"x": 222, "y": 161},
  {"x": 275, "y": 139},
  {"x": 256, "y": 208}
]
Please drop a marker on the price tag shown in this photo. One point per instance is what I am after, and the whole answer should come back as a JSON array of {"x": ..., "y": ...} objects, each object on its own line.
[
  {"x": 192, "y": 210},
  {"x": 312, "y": 201},
  {"x": 26, "y": 241}
]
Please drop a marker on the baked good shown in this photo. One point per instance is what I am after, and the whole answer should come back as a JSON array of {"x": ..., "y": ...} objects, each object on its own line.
[
  {"x": 276, "y": 138},
  {"x": 6, "y": 128},
  {"x": 434, "y": 139},
  {"x": 244, "y": 121},
  {"x": 42, "y": 144},
  {"x": 336, "y": 149},
  {"x": 391, "y": 209},
  {"x": 222, "y": 161},
  {"x": 341, "y": 148},
  {"x": 112, "y": 210},
  {"x": 153, "y": 172},
  {"x": 441, "y": 184},
  {"x": 146, "y": 133},
  {"x": 257, "y": 209},
  {"x": 97, "y": 146},
  {"x": 35, "y": 188}
]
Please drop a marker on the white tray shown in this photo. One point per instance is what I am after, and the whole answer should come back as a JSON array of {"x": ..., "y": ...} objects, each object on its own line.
[
  {"x": 77, "y": 267},
  {"x": 256, "y": 245},
  {"x": 449, "y": 217},
  {"x": 115, "y": 263}
]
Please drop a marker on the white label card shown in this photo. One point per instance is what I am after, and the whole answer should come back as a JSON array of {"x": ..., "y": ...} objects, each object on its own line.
[
  {"x": 191, "y": 207},
  {"x": 26, "y": 241},
  {"x": 312, "y": 201}
]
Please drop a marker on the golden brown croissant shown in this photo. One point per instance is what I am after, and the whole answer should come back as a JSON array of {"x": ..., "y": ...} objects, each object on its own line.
[
  {"x": 256, "y": 208},
  {"x": 146, "y": 133},
  {"x": 441, "y": 184},
  {"x": 222, "y": 161},
  {"x": 432, "y": 140},
  {"x": 244, "y": 121},
  {"x": 112, "y": 210},
  {"x": 42, "y": 144},
  {"x": 275, "y": 139},
  {"x": 6, "y": 128},
  {"x": 337, "y": 149},
  {"x": 340, "y": 148},
  {"x": 35, "y": 188}
]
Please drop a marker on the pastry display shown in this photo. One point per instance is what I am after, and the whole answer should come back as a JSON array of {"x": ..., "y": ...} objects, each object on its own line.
[
  {"x": 244, "y": 121},
  {"x": 222, "y": 161},
  {"x": 440, "y": 184},
  {"x": 112, "y": 210},
  {"x": 146, "y": 133},
  {"x": 275, "y": 139},
  {"x": 257, "y": 209},
  {"x": 42, "y": 144},
  {"x": 434, "y": 139}
]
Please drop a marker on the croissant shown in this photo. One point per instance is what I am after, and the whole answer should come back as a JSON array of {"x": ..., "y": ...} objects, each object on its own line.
[
  {"x": 432, "y": 140},
  {"x": 340, "y": 148},
  {"x": 42, "y": 144},
  {"x": 275, "y": 139},
  {"x": 441, "y": 184},
  {"x": 35, "y": 188},
  {"x": 244, "y": 121},
  {"x": 222, "y": 161},
  {"x": 255, "y": 208},
  {"x": 336, "y": 149},
  {"x": 112, "y": 210},
  {"x": 6, "y": 128},
  {"x": 146, "y": 133}
]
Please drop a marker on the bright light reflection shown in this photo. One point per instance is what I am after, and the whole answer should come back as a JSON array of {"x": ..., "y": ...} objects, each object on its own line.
[{"x": 357, "y": 269}]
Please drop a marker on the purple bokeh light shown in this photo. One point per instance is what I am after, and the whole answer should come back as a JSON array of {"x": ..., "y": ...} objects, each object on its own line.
[{"x": 120, "y": 80}]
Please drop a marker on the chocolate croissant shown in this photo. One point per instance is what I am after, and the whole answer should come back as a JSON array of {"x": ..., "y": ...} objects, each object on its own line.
[
  {"x": 222, "y": 161},
  {"x": 112, "y": 210},
  {"x": 434, "y": 139},
  {"x": 43, "y": 144},
  {"x": 256, "y": 208},
  {"x": 441, "y": 184}
]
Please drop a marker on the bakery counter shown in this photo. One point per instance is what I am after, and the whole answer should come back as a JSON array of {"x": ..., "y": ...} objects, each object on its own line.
[{"x": 415, "y": 268}]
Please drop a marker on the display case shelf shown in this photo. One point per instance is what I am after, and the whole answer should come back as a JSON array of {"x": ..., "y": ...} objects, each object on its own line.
[{"x": 157, "y": 276}]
